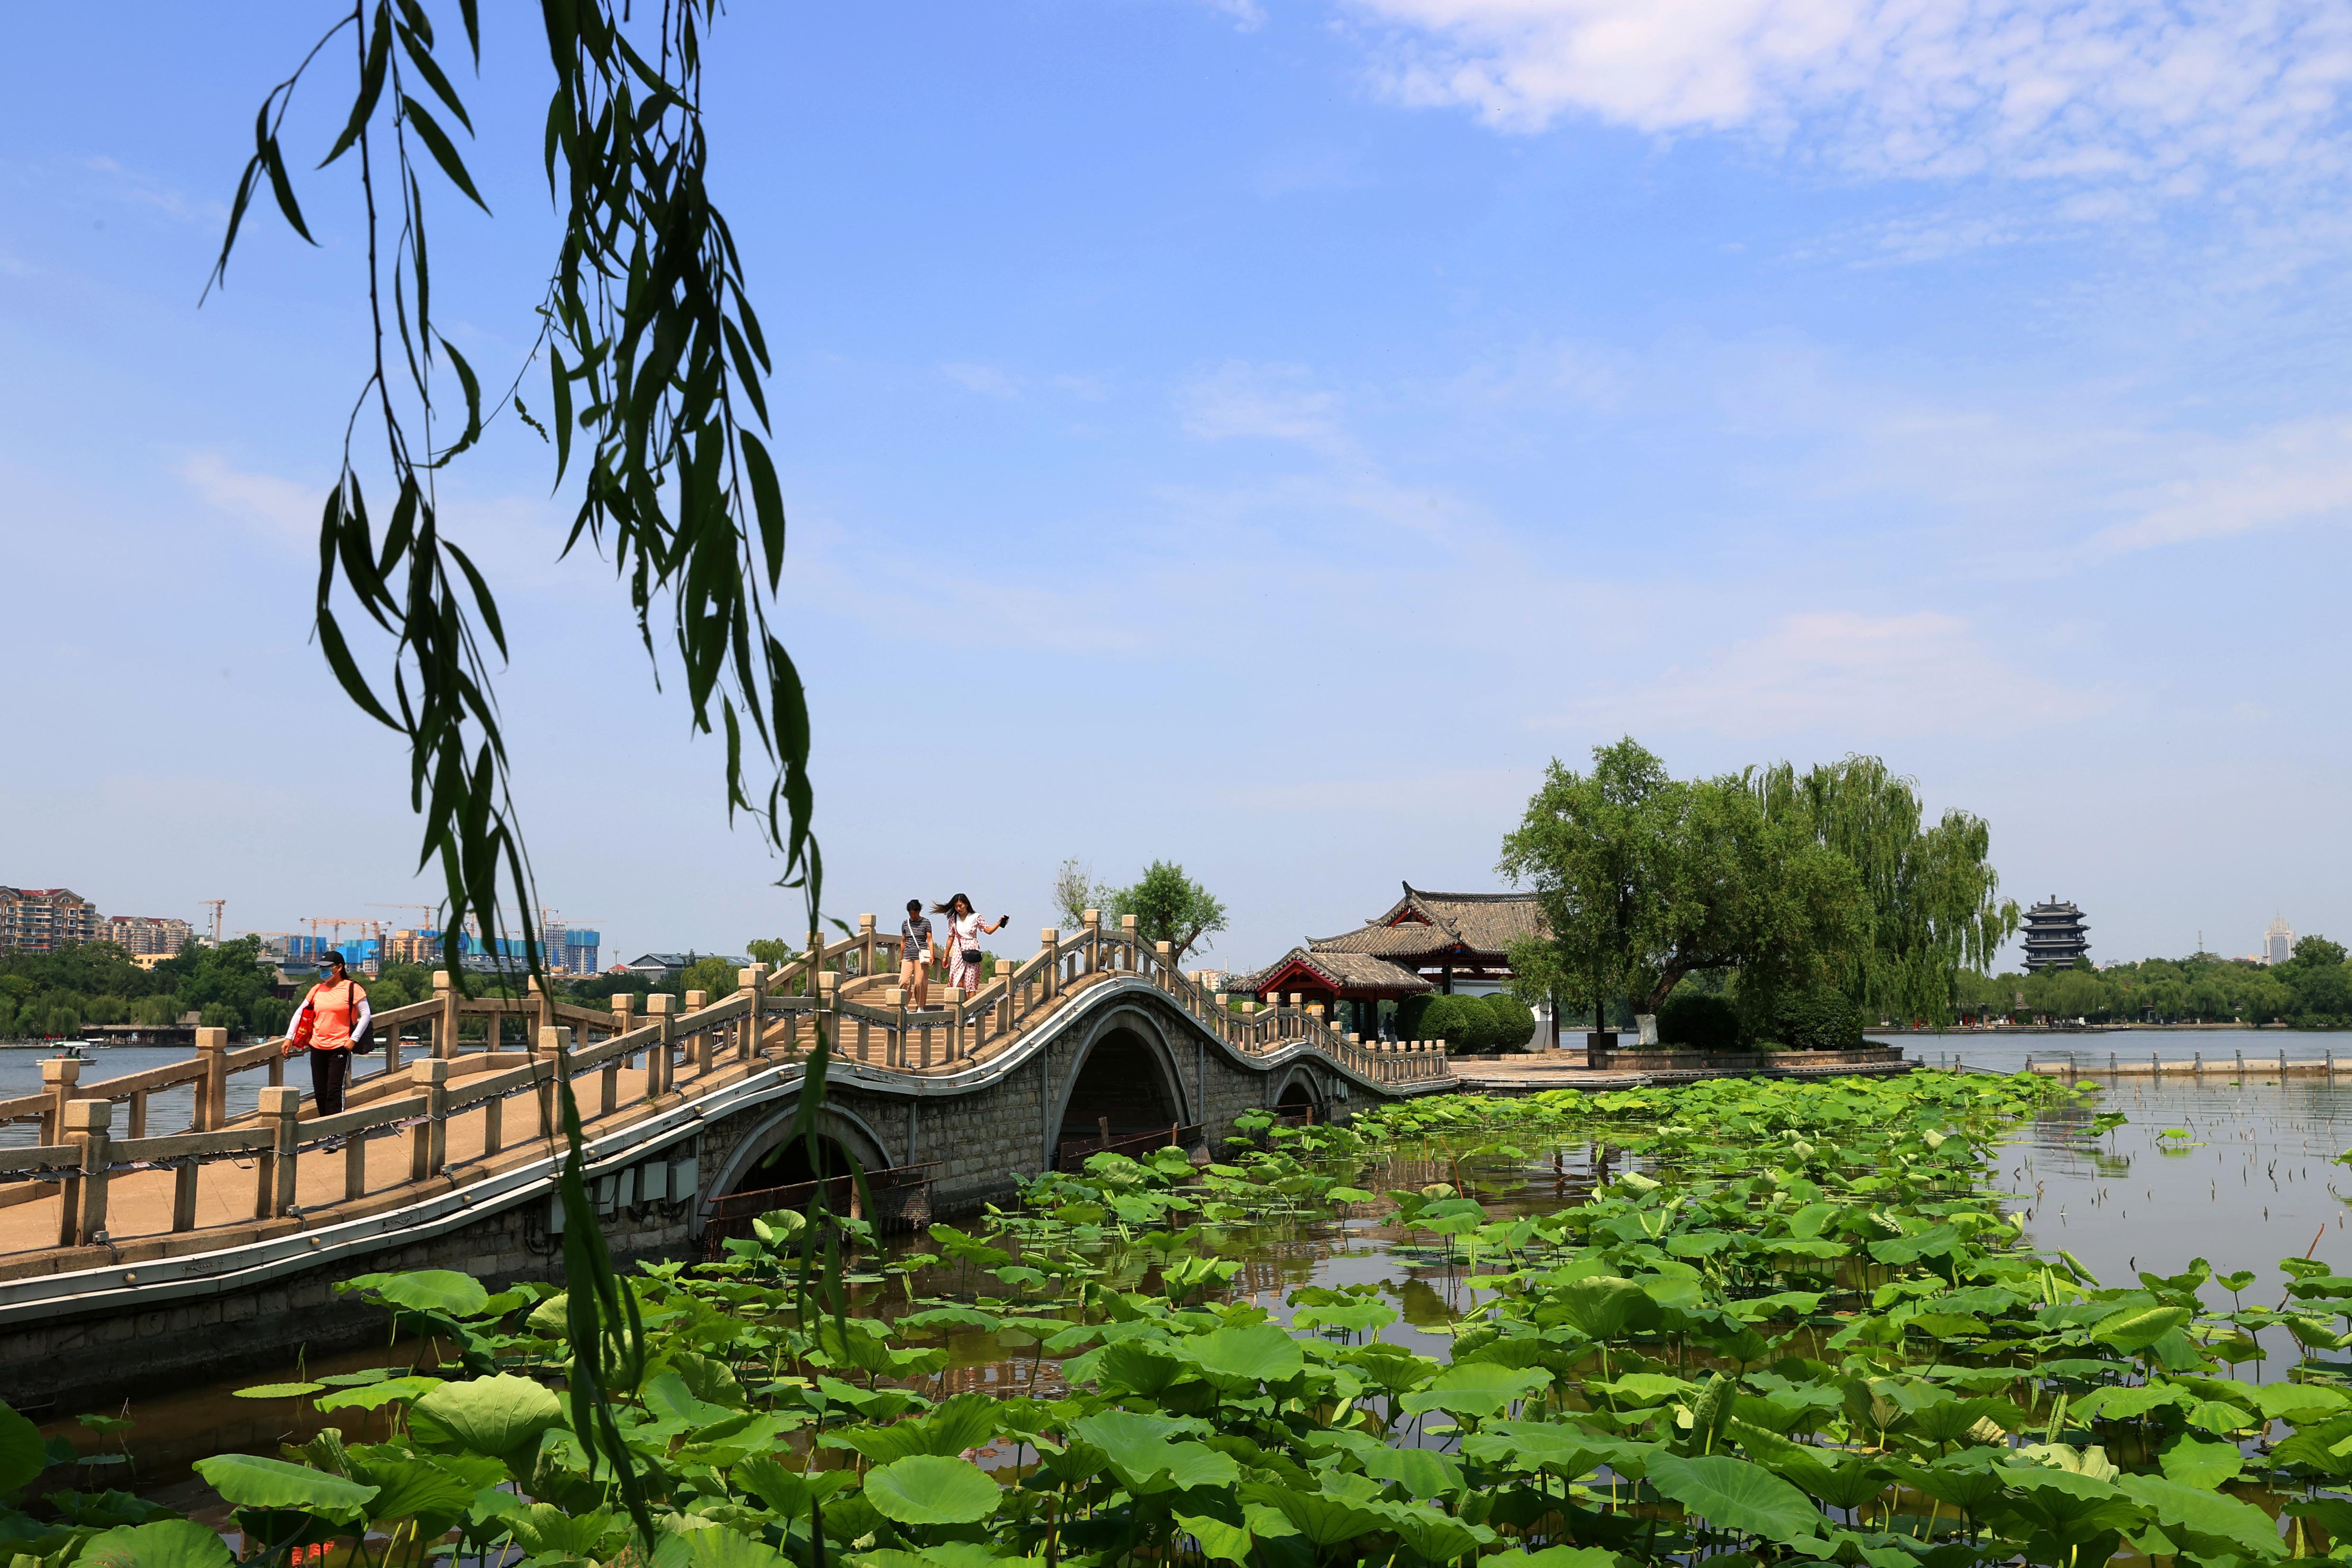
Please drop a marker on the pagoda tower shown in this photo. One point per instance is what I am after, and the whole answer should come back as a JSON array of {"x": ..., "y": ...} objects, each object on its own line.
[{"x": 2055, "y": 936}]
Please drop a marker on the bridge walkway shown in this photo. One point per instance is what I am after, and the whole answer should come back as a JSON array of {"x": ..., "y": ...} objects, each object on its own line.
[{"x": 97, "y": 1191}]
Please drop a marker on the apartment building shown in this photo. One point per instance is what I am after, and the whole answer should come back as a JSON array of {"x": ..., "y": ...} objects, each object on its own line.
[
  {"x": 42, "y": 920},
  {"x": 140, "y": 935}
]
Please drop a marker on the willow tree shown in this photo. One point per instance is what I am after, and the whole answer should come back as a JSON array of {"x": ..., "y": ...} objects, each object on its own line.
[
  {"x": 1933, "y": 900},
  {"x": 654, "y": 360},
  {"x": 1644, "y": 879}
]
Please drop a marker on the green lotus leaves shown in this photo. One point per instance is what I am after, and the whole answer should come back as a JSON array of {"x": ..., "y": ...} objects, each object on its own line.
[
  {"x": 2138, "y": 1328},
  {"x": 23, "y": 1455},
  {"x": 1477, "y": 1389},
  {"x": 247, "y": 1481},
  {"x": 1733, "y": 1494},
  {"x": 501, "y": 1416},
  {"x": 927, "y": 1489},
  {"x": 442, "y": 1290},
  {"x": 1261, "y": 1353},
  {"x": 162, "y": 1544}
]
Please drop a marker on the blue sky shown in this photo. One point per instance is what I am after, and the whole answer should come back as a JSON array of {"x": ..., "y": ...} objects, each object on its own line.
[{"x": 1262, "y": 434}]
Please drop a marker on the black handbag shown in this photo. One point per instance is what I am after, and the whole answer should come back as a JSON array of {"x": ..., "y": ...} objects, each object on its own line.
[
  {"x": 971, "y": 957},
  {"x": 364, "y": 1035}
]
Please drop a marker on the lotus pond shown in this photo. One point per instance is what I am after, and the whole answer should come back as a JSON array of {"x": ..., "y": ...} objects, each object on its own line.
[{"x": 1731, "y": 1321}]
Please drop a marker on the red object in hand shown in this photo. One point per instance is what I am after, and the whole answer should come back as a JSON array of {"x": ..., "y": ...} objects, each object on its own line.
[{"x": 303, "y": 1024}]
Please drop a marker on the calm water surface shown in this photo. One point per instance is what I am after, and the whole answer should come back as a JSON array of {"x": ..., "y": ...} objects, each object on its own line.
[{"x": 2245, "y": 1176}]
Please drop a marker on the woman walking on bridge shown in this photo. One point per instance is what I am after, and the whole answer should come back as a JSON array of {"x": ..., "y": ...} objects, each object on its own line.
[
  {"x": 915, "y": 955},
  {"x": 964, "y": 931},
  {"x": 333, "y": 1015}
]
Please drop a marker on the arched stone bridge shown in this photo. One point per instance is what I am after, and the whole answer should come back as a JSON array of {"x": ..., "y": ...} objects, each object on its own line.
[{"x": 131, "y": 1259}]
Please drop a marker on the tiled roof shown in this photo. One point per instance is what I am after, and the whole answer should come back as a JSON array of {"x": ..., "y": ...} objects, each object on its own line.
[
  {"x": 1423, "y": 923},
  {"x": 1340, "y": 971}
]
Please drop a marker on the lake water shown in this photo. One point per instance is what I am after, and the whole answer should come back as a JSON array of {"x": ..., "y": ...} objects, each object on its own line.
[
  {"x": 2004, "y": 1050},
  {"x": 2241, "y": 1173}
]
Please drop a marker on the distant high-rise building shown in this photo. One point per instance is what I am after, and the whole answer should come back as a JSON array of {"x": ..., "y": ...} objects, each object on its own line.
[
  {"x": 2055, "y": 936},
  {"x": 141, "y": 935},
  {"x": 2278, "y": 942},
  {"x": 42, "y": 920}
]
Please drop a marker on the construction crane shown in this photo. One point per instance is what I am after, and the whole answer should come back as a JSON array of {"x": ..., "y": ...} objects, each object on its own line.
[
  {"x": 553, "y": 920},
  {"x": 425, "y": 943},
  {"x": 215, "y": 905}
]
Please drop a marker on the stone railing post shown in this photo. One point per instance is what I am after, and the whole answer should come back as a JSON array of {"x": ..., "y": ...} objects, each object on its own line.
[
  {"x": 1004, "y": 1003},
  {"x": 1165, "y": 953},
  {"x": 542, "y": 1003},
  {"x": 1049, "y": 972},
  {"x": 751, "y": 983},
  {"x": 273, "y": 1192},
  {"x": 705, "y": 1045},
  {"x": 554, "y": 1047},
  {"x": 59, "y": 1077},
  {"x": 211, "y": 1090},
  {"x": 663, "y": 1006},
  {"x": 82, "y": 1216},
  {"x": 894, "y": 1049},
  {"x": 1224, "y": 1019},
  {"x": 1127, "y": 951},
  {"x": 865, "y": 944},
  {"x": 428, "y": 1147},
  {"x": 1093, "y": 928},
  {"x": 625, "y": 1010},
  {"x": 445, "y": 1022}
]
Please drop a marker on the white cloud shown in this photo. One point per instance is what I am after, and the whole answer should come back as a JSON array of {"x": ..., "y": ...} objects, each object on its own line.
[
  {"x": 2290, "y": 474},
  {"x": 276, "y": 507},
  {"x": 986, "y": 380},
  {"x": 1248, "y": 16},
  {"x": 1267, "y": 402},
  {"x": 1846, "y": 673},
  {"x": 2176, "y": 95}
]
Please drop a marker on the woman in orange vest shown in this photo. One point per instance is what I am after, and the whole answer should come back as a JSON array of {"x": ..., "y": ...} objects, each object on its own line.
[{"x": 334, "y": 1012}]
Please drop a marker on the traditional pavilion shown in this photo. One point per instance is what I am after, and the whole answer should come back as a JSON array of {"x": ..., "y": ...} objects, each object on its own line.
[{"x": 1426, "y": 941}]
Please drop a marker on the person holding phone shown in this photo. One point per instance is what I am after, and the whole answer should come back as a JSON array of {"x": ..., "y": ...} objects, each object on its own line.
[
  {"x": 915, "y": 955},
  {"x": 964, "y": 931}
]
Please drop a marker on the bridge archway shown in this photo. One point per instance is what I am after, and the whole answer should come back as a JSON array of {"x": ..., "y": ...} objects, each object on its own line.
[
  {"x": 1126, "y": 1074},
  {"x": 1299, "y": 1090},
  {"x": 839, "y": 1133}
]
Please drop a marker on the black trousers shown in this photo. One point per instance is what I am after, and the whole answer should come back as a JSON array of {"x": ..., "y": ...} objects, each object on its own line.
[{"x": 329, "y": 1070}]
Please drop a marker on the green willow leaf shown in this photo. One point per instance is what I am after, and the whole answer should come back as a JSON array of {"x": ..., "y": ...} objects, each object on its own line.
[{"x": 444, "y": 151}]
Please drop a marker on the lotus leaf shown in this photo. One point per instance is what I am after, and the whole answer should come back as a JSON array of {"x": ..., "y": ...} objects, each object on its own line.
[
  {"x": 164, "y": 1543},
  {"x": 1734, "y": 1494},
  {"x": 929, "y": 1488},
  {"x": 501, "y": 1416},
  {"x": 248, "y": 1481},
  {"x": 1261, "y": 1353}
]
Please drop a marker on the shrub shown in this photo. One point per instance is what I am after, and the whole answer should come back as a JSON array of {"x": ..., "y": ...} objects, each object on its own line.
[
  {"x": 1409, "y": 1015},
  {"x": 1693, "y": 1018},
  {"x": 1448, "y": 1018},
  {"x": 1515, "y": 1022},
  {"x": 1818, "y": 1019}
]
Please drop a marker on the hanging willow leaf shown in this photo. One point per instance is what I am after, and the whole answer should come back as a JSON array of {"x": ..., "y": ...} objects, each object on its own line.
[{"x": 654, "y": 354}]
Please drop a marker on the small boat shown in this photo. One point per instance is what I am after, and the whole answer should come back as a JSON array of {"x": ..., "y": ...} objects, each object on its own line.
[{"x": 73, "y": 1052}]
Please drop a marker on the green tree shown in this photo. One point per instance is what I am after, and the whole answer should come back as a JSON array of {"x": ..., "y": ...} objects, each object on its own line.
[
  {"x": 771, "y": 950},
  {"x": 2318, "y": 980},
  {"x": 1644, "y": 879},
  {"x": 220, "y": 1016},
  {"x": 1934, "y": 902},
  {"x": 1168, "y": 906},
  {"x": 714, "y": 975},
  {"x": 8, "y": 1019},
  {"x": 63, "y": 1018},
  {"x": 157, "y": 1012},
  {"x": 269, "y": 1015}
]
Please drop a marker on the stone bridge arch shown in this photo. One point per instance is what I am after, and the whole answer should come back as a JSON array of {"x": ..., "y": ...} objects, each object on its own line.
[
  {"x": 840, "y": 1130},
  {"x": 1299, "y": 1088},
  {"x": 1126, "y": 1071}
]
